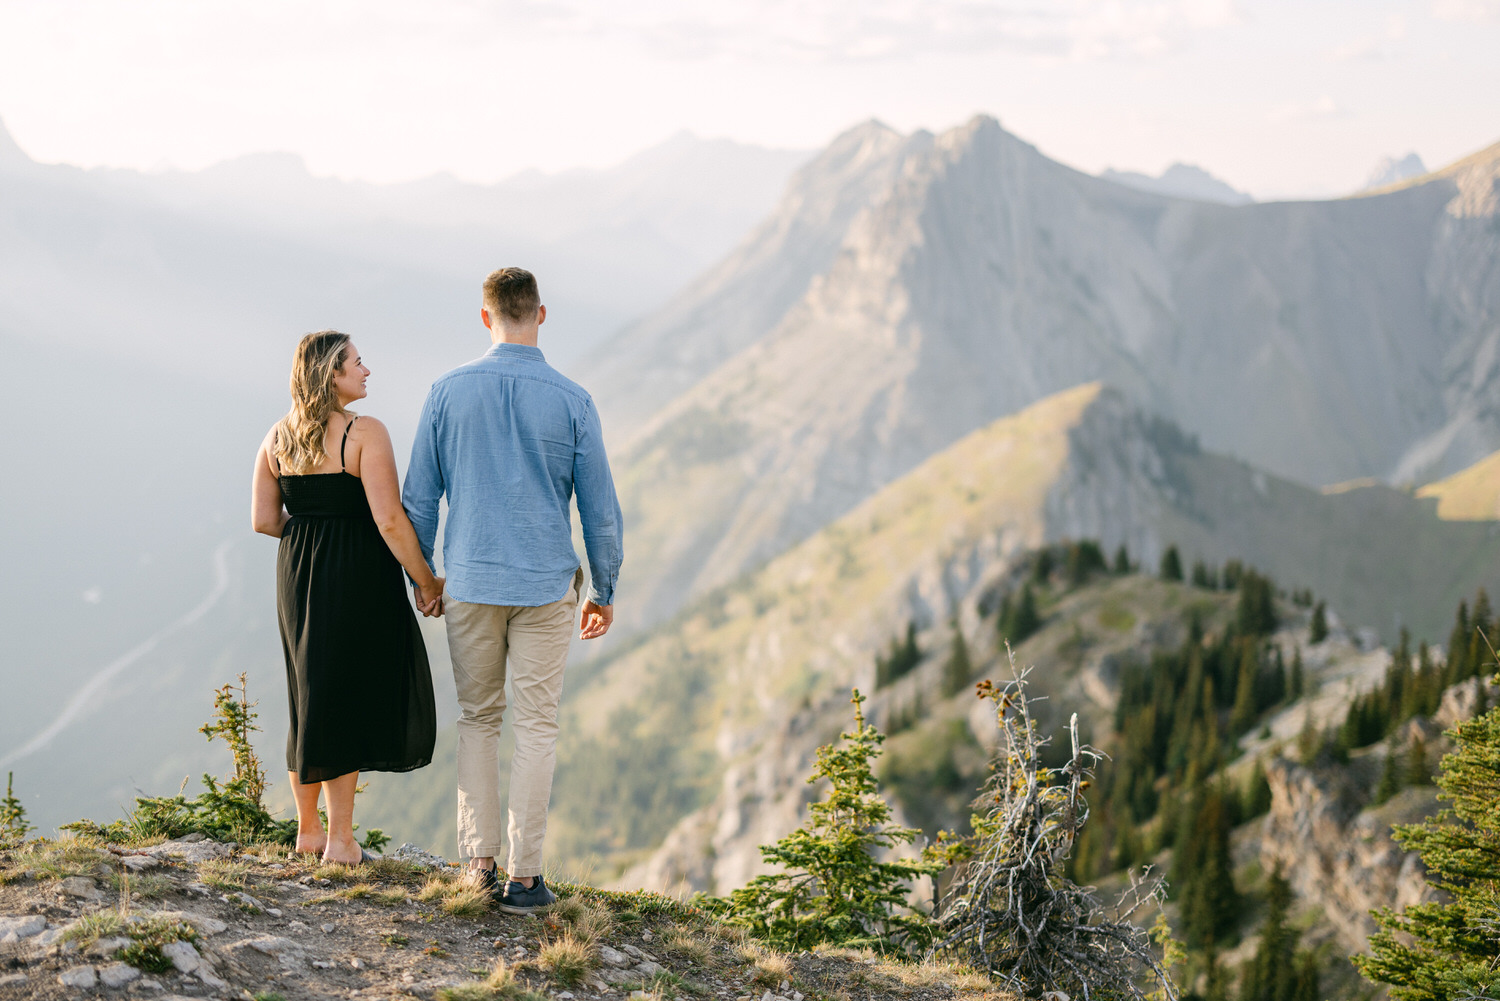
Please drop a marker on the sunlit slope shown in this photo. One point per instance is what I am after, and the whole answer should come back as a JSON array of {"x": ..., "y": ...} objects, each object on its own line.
[{"x": 1472, "y": 494}]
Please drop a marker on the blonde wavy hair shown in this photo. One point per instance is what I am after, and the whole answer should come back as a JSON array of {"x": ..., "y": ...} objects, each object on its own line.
[{"x": 300, "y": 434}]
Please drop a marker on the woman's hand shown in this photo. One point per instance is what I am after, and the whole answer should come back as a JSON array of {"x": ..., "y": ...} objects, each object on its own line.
[{"x": 429, "y": 597}]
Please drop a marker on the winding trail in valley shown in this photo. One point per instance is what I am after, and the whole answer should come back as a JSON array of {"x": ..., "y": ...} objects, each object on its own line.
[{"x": 79, "y": 705}]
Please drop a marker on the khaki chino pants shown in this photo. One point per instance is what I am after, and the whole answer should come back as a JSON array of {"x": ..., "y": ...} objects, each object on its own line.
[{"x": 530, "y": 644}]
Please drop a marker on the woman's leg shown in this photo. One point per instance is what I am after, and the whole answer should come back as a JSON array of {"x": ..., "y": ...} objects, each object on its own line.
[
  {"x": 339, "y": 794},
  {"x": 310, "y": 834}
]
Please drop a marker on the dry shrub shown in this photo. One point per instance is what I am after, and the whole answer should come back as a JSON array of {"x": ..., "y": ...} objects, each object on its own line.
[{"x": 1011, "y": 911}]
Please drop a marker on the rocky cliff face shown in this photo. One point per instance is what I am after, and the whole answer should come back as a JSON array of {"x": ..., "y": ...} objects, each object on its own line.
[
  {"x": 911, "y": 290},
  {"x": 1338, "y": 857}
]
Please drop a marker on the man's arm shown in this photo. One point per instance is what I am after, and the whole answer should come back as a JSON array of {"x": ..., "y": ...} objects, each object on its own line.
[
  {"x": 424, "y": 482},
  {"x": 603, "y": 523}
]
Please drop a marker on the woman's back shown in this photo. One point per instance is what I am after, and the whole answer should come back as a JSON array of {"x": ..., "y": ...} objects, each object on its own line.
[{"x": 325, "y": 493}]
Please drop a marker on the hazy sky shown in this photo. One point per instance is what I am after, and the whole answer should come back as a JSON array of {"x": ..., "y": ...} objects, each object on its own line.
[{"x": 1284, "y": 97}]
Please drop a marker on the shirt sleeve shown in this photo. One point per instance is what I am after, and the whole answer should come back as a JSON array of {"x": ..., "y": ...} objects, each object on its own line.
[
  {"x": 598, "y": 508},
  {"x": 424, "y": 485}
]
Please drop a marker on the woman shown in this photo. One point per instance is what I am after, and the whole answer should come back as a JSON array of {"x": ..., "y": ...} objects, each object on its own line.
[{"x": 357, "y": 675}]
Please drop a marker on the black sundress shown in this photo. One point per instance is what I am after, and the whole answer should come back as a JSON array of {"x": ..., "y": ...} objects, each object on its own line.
[{"x": 358, "y": 682}]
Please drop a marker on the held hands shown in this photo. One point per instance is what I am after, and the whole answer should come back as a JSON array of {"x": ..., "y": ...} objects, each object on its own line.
[
  {"x": 429, "y": 597},
  {"x": 596, "y": 620}
]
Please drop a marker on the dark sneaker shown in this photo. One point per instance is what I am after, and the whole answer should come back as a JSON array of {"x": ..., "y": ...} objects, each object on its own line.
[
  {"x": 520, "y": 899},
  {"x": 488, "y": 882}
]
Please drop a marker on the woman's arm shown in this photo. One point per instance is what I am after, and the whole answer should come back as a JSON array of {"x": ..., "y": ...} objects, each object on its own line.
[
  {"x": 267, "y": 516},
  {"x": 377, "y": 469}
]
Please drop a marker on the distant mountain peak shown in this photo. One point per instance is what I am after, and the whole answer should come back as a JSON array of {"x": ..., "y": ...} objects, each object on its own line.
[
  {"x": 1391, "y": 170},
  {"x": 10, "y": 150},
  {"x": 1181, "y": 180}
]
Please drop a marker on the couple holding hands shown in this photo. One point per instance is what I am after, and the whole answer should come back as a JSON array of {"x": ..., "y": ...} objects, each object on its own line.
[{"x": 509, "y": 441}]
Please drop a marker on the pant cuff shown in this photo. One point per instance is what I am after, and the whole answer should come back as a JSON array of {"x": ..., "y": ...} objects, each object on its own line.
[
  {"x": 467, "y": 852},
  {"x": 524, "y": 870}
]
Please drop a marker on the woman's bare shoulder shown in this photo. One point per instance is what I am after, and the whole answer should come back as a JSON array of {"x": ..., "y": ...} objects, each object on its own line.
[{"x": 368, "y": 426}]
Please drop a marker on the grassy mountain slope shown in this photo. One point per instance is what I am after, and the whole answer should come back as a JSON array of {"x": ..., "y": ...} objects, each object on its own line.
[{"x": 1471, "y": 494}]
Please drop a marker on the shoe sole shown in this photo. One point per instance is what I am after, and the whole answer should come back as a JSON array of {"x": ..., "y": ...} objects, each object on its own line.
[{"x": 519, "y": 909}]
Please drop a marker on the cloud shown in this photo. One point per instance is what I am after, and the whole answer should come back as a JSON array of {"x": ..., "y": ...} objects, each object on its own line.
[
  {"x": 1324, "y": 107},
  {"x": 1373, "y": 46},
  {"x": 1481, "y": 11},
  {"x": 838, "y": 31}
]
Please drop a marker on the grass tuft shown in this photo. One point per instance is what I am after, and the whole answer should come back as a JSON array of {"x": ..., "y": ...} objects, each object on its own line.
[
  {"x": 568, "y": 959},
  {"x": 92, "y": 927},
  {"x": 681, "y": 942},
  {"x": 337, "y": 872},
  {"x": 586, "y": 922},
  {"x": 501, "y": 985},
  {"x": 460, "y": 897},
  {"x": 771, "y": 968},
  {"x": 225, "y": 874},
  {"x": 147, "y": 938}
]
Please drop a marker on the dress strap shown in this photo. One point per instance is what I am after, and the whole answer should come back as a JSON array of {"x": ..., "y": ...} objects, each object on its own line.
[{"x": 343, "y": 444}]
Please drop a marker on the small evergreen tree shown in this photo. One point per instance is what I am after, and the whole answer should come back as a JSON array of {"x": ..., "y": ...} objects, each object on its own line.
[
  {"x": 1318, "y": 631},
  {"x": 1083, "y": 558},
  {"x": 1446, "y": 951},
  {"x": 1417, "y": 773},
  {"x": 1019, "y": 620},
  {"x": 1296, "y": 683},
  {"x": 13, "y": 825},
  {"x": 1041, "y": 570},
  {"x": 1257, "y": 793},
  {"x": 1390, "y": 777},
  {"x": 1204, "y": 873},
  {"x": 1202, "y": 577},
  {"x": 959, "y": 667},
  {"x": 1121, "y": 565},
  {"x": 1171, "y": 564},
  {"x": 830, "y": 888},
  {"x": 904, "y": 655},
  {"x": 1257, "y": 608},
  {"x": 1269, "y": 975}
]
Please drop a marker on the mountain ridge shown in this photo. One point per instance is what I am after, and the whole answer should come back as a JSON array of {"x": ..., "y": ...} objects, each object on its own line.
[{"x": 981, "y": 276}]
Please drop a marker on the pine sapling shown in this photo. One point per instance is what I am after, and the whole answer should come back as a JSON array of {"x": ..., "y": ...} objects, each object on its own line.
[{"x": 831, "y": 887}]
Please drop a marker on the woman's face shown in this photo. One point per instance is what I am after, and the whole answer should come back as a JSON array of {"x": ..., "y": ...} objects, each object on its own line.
[{"x": 349, "y": 382}]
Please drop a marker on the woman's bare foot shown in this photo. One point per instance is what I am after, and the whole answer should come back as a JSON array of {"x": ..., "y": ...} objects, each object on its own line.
[
  {"x": 346, "y": 851},
  {"x": 312, "y": 841}
]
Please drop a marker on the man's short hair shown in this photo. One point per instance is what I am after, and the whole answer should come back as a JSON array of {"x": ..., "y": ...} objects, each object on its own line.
[{"x": 511, "y": 293}]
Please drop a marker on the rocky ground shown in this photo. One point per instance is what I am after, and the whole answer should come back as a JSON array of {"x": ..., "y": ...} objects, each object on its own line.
[{"x": 197, "y": 919}]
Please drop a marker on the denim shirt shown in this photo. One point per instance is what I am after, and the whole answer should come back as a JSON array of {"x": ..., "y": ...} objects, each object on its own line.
[{"x": 510, "y": 440}]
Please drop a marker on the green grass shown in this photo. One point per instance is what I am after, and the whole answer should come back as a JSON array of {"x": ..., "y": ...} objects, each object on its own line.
[{"x": 147, "y": 939}]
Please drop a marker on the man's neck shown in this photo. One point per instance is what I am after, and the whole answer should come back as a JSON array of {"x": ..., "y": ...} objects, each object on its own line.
[{"x": 514, "y": 335}]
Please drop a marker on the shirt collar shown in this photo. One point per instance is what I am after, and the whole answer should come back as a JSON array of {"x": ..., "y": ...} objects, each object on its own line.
[{"x": 503, "y": 350}]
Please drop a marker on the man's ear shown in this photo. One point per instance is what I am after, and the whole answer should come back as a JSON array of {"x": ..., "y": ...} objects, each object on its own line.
[
  {"x": 541, "y": 315},
  {"x": 484, "y": 314}
]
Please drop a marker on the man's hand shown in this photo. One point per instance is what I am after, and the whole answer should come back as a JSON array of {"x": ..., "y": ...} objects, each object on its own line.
[
  {"x": 430, "y": 599},
  {"x": 596, "y": 620}
]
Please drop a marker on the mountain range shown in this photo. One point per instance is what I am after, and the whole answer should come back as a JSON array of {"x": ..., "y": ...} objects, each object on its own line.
[{"x": 913, "y": 288}]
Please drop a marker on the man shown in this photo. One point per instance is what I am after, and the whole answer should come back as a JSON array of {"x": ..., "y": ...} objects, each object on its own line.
[{"x": 509, "y": 440}]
